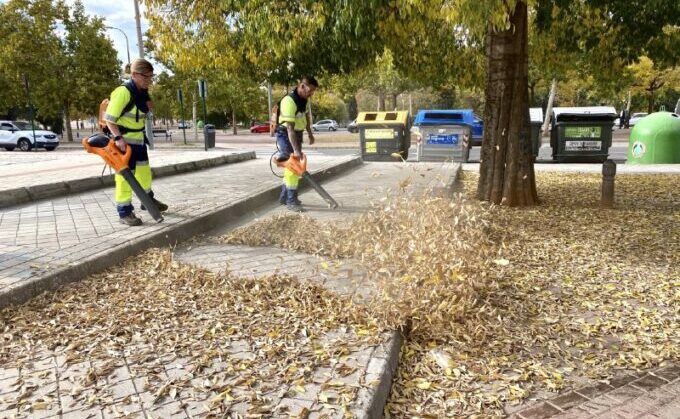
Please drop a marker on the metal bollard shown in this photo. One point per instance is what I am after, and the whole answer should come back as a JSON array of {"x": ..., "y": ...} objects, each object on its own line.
[{"x": 608, "y": 174}]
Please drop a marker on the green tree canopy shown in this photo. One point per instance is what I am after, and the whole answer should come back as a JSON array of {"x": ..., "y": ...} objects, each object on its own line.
[{"x": 76, "y": 66}]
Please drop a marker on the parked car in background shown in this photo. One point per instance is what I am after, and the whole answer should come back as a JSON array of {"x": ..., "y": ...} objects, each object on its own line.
[
  {"x": 260, "y": 127},
  {"x": 19, "y": 134},
  {"x": 184, "y": 125},
  {"x": 636, "y": 117},
  {"x": 352, "y": 127},
  {"x": 325, "y": 125}
]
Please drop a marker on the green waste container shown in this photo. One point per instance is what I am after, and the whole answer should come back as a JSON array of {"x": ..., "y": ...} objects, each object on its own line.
[
  {"x": 209, "y": 132},
  {"x": 582, "y": 134},
  {"x": 200, "y": 124},
  {"x": 655, "y": 139},
  {"x": 536, "y": 119},
  {"x": 384, "y": 136}
]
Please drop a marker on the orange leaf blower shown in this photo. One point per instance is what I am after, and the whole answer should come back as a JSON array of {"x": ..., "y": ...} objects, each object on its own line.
[
  {"x": 104, "y": 147},
  {"x": 299, "y": 167}
]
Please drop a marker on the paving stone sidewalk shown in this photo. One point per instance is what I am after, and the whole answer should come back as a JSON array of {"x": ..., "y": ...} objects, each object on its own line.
[
  {"x": 53, "y": 383},
  {"x": 35, "y": 176},
  {"x": 39, "y": 238},
  {"x": 373, "y": 366},
  {"x": 649, "y": 395}
]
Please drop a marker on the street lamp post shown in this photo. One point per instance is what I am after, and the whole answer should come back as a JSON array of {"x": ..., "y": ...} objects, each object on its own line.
[
  {"x": 140, "y": 42},
  {"x": 127, "y": 43}
]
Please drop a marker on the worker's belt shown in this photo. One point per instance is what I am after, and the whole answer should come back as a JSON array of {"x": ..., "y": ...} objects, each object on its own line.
[{"x": 125, "y": 130}]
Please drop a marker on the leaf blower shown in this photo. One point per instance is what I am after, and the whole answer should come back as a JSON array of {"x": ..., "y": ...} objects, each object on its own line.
[
  {"x": 299, "y": 167},
  {"x": 105, "y": 148}
]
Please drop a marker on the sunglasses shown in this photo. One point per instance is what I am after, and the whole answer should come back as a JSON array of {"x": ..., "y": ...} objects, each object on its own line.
[{"x": 147, "y": 76}]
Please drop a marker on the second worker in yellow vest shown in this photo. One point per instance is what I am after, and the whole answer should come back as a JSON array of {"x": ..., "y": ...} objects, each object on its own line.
[{"x": 294, "y": 118}]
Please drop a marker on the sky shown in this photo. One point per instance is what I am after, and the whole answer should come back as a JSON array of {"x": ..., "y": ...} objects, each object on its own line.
[{"x": 119, "y": 14}]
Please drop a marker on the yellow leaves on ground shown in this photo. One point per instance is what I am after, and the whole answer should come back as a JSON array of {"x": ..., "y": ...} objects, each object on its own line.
[
  {"x": 502, "y": 302},
  {"x": 228, "y": 339}
]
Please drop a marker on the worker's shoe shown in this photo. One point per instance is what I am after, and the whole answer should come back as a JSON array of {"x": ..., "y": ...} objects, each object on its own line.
[
  {"x": 161, "y": 206},
  {"x": 284, "y": 202},
  {"x": 283, "y": 198},
  {"x": 292, "y": 197},
  {"x": 131, "y": 220},
  {"x": 293, "y": 207}
]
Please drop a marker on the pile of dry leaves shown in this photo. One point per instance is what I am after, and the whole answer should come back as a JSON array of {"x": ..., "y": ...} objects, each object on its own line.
[
  {"x": 503, "y": 302},
  {"x": 497, "y": 302},
  {"x": 228, "y": 340}
]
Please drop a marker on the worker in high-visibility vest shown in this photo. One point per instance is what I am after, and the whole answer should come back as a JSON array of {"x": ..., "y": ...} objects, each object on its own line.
[
  {"x": 125, "y": 117},
  {"x": 294, "y": 118}
]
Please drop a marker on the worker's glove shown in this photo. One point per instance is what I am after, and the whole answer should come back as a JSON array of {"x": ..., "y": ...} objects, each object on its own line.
[{"x": 121, "y": 145}]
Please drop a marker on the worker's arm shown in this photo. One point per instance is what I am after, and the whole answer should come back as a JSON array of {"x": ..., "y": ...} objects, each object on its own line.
[
  {"x": 310, "y": 133},
  {"x": 119, "y": 99},
  {"x": 115, "y": 131}
]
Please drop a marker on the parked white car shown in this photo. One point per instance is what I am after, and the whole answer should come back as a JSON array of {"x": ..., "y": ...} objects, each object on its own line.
[
  {"x": 325, "y": 125},
  {"x": 636, "y": 117},
  {"x": 19, "y": 134}
]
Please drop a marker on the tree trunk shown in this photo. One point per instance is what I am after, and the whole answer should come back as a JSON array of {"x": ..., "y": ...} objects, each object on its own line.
[
  {"x": 381, "y": 102},
  {"x": 67, "y": 121},
  {"x": 394, "y": 101},
  {"x": 650, "y": 102},
  {"x": 507, "y": 164},
  {"x": 233, "y": 121},
  {"x": 352, "y": 107}
]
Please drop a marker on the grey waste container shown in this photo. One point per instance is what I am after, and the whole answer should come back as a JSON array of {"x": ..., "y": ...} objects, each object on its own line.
[
  {"x": 209, "y": 132},
  {"x": 582, "y": 134},
  {"x": 443, "y": 135},
  {"x": 536, "y": 119}
]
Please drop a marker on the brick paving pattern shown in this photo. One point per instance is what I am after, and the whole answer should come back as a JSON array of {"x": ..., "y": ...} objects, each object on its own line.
[
  {"x": 31, "y": 169},
  {"x": 38, "y": 237},
  {"x": 87, "y": 223},
  {"x": 655, "y": 394},
  {"x": 35, "y": 238},
  {"x": 354, "y": 192}
]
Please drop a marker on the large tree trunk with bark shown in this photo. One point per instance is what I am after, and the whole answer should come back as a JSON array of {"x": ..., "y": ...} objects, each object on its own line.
[{"x": 507, "y": 164}]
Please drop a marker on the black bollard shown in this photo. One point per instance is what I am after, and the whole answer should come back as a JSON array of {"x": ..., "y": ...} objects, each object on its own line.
[{"x": 608, "y": 174}]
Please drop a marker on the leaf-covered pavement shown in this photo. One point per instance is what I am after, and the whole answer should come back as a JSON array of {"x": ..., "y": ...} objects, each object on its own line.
[
  {"x": 501, "y": 303},
  {"x": 232, "y": 344},
  {"x": 497, "y": 303}
]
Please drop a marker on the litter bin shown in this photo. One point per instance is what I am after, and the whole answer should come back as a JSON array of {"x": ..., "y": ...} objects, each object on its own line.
[
  {"x": 443, "y": 135},
  {"x": 582, "y": 134},
  {"x": 655, "y": 139},
  {"x": 209, "y": 133},
  {"x": 384, "y": 135},
  {"x": 536, "y": 119}
]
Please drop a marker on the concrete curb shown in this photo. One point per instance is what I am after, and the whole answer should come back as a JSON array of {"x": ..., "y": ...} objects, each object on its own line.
[
  {"x": 170, "y": 236},
  {"x": 382, "y": 367},
  {"x": 449, "y": 189},
  {"x": 372, "y": 397},
  {"x": 51, "y": 190}
]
